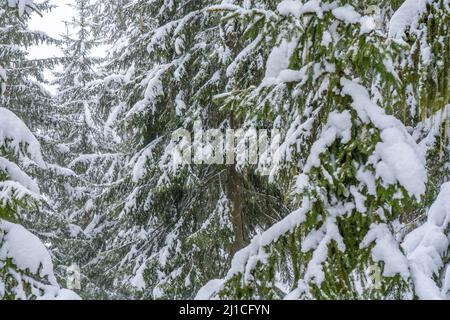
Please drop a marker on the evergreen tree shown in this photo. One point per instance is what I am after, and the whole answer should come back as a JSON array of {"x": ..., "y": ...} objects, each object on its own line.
[
  {"x": 424, "y": 27},
  {"x": 24, "y": 91},
  {"x": 76, "y": 99},
  {"x": 26, "y": 269},
  {"x": 356, "y": 196},
  {"x": 167, "y": 225},
  {"x": 155, "y": 188},
  {"x": 81, "y": 145}
]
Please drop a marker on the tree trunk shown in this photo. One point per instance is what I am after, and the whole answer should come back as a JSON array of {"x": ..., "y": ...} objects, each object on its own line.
[
  {"x": 235, "y": 196},
  {"x": 234, "y": 190}
]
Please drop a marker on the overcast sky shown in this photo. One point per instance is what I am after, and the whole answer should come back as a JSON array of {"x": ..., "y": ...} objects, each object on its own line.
[{"x": 52, "y": 24}]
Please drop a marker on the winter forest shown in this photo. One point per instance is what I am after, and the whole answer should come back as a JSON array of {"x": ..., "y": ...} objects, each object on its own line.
[{"x": 226, "y": 150}]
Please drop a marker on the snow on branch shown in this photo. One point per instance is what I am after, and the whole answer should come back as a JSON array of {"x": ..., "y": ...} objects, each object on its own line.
[{"x": 16, "y": 136}]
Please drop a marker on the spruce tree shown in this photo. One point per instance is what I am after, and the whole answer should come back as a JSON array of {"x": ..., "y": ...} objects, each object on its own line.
[
  {"x": 26, "y": 269},
  {"x": 355, "y": 196},
  {"x": 82, "y": 147},
  {"x": 347, "y": 199},
  {"x": 168, "y": 222},
  {"x": 423, "y": 27}
]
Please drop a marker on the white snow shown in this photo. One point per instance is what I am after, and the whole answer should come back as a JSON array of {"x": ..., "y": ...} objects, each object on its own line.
[
  {"x": 327, "y": 38},
  {"x": 245, "y": 260},
  {"x": 368, "y": 179},
  {"x": 360, "y": 200},
  {"x": 288, "y": 75},
  {"x": 405, "y": 16},
  {"x": 209, "y": 290},
  {"x": 397, "y": 157},
  {"x": 387, "y": 250},
  {"x": 346, "y": 14},
  {"x": 339, "y": 126},
  {"x": 367, "y": 24},
  {"x": 296, "y": 8},
  {"x": 14, "y": 133},
  {"x": 11, "y": 191},
  {"x": 26, "y": 251},
  {"x": 318, "y": 241},
  {"x": 24, "y": 6},
  {"x": 3, "y": 80},
  {"x": 140, "y": 160},
  {"x": 290, "y": 7},
  {"x": 231, "y": 70},
  {"x": 427, "y": 246},
  {"x": 3, "y": 74},
  {"x": 313, "y": 6},
  {"x": 17, "y": 175},
  {"x": 279, "y": 58},
  {"x": 15, "y": 136},
  {"x": 88, "y": 116},
  {"x": 138, "y": 280},
  {"x": 396, "y": 160},
  {"x": 394, "y": 136}
]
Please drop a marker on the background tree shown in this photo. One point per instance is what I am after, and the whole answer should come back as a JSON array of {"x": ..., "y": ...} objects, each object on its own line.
[
  {"x": 167, "y": 224},
  {"x": 26, "y": 269}
]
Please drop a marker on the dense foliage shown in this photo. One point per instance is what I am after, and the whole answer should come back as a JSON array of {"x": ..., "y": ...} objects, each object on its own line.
[{"x": 149, "y": 181}]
